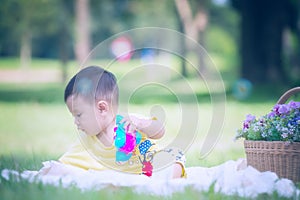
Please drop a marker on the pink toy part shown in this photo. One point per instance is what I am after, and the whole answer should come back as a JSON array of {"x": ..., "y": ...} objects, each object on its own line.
[
  {"x": 147, "y": 168},
  {"x": 130, "y": 143}
]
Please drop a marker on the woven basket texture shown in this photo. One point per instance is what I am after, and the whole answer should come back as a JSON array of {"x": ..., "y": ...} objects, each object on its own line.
[{"x": 280, "y": 157}]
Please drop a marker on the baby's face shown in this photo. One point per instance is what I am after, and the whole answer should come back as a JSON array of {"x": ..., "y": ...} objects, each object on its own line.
[{"x": 85, "y": 115}]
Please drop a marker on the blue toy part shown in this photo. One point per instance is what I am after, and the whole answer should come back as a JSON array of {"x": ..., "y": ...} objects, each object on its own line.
[
  {"x": 118, "y": 119},
  {"x": 144, "y": 146},
  {"x": 121, "y": 156},
  {"x": 120, "y": 138}
]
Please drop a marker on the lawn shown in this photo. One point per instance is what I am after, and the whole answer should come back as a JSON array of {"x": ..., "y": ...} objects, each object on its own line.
[
  {"x": 47, "y": 129},
  {"x": 33, "y": 132},
  {"x": 35, "y": 126}
]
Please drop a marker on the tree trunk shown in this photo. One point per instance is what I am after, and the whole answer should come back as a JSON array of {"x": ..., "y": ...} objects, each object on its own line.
[
  {"x": 261, "y": 40},
  {"x": 182, "y": 44},
  {"x": 194, "y": 27},
  {"x": 63, "y": 52},
  {"x": 25, "y": 50},
  {"x": 64, "y": 39},
  {"x": 82, "y": 46}
]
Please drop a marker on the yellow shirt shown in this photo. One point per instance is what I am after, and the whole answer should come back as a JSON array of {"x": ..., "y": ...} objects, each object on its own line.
[{"x": 90, "y": 153}]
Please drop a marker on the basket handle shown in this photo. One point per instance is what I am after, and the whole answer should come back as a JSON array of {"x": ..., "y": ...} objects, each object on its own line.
[{"x": 288, "y": 94}]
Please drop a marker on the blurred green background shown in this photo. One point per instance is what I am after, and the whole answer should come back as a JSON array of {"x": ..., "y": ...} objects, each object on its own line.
[
  {"x": 254, "y": 44},
  {"x": 42, "y": 44}
]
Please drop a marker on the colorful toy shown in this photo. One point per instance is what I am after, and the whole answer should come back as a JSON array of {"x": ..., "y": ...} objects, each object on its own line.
[{"x": 125, "y": 141}]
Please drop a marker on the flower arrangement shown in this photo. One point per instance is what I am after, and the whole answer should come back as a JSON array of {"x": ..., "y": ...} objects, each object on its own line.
[{"x": 281, "y": 124}]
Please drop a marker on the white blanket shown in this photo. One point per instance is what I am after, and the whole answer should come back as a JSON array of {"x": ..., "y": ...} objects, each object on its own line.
[{"x": 231, "y": 178}]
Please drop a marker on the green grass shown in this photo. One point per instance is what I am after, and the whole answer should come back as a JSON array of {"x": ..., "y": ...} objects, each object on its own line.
[
  {"x": 31, "y": 127},
  {"x": 36, "y": 63},
  {"x": 13, "y": 189},
  {"x": 35, "y": 126},
  {"x": 42, "y": 93},
  {"x": 40, "y": 191}
]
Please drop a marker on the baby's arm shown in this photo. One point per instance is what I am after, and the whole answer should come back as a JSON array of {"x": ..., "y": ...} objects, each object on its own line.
[{"x": 153, "y": 128}]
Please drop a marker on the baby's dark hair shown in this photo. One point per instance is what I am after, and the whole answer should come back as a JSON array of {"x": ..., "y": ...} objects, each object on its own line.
[{"x": 93, "y": 83}]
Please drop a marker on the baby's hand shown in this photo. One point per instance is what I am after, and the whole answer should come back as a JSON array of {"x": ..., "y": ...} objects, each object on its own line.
[{"x": 128, "y": 125}]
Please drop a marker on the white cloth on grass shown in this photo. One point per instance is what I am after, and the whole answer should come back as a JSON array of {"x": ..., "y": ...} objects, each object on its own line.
[{"x": 230, "y": 178}]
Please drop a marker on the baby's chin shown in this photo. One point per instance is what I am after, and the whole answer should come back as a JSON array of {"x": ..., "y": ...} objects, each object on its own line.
[
  {"x": 84, "y": 131},
  {"x": 89, "y": 133}
]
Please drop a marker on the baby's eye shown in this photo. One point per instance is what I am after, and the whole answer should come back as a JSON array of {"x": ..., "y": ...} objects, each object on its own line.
[{"x": 78, "y": 115}]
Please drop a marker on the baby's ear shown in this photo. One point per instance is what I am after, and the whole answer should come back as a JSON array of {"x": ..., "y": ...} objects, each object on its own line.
[{"x": 102, "y": 106}]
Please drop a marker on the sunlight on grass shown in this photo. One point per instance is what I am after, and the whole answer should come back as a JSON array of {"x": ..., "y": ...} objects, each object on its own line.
[
  {"x": 35, "y": 128},
  {"x": 36, "y": 63},
  {"x": 48, "y": 129}
]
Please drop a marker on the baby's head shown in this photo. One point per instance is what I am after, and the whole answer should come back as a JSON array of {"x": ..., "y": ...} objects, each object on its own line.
[
  {"x": 93, "y": 84},
  {"x": 92, "y": 98}
]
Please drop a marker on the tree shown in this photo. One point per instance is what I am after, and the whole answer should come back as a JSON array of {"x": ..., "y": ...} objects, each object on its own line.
[
  {"x": 22, "y": 21},
  {"x": 262, "y": 27},
  {"x": 64, "y": 30},
  {"x": 82, "y": 46},
  {"x": 195, "y": 26}
]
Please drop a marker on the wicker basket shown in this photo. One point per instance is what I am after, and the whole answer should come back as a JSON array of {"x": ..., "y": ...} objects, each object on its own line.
[{"x": 280, "y": 157}]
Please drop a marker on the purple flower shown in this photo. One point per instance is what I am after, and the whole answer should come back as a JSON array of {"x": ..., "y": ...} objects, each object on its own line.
[
  {"x": 283, "y": 109},
  {"x": 271, "y": 114},
  {"x": 275, "y": 109},
  {"x": 281, "y": 124},
  {"x": 294, "y": 121},
  {"x": 284, "y": 135},
  {"x": 248, "y": 120},
  {"x": 294, "y": 105},
  {"x": 246, "y": 125},
  {"x": 262, "y": 122}
]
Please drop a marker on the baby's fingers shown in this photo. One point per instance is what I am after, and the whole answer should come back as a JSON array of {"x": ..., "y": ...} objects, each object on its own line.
[{"x": 129, "y": 126}]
